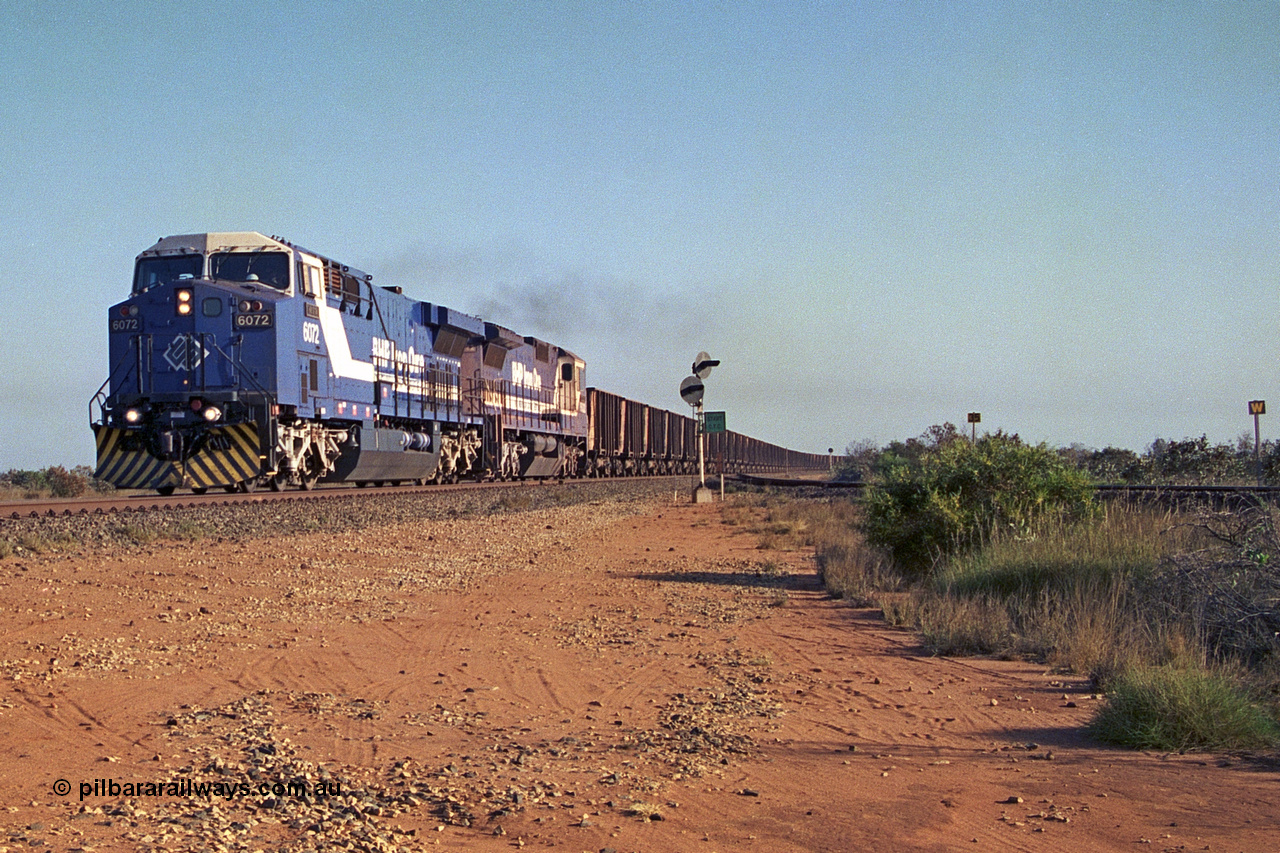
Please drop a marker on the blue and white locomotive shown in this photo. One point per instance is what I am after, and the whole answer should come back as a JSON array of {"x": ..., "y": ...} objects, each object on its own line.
[{"x": 242, "y": 360}]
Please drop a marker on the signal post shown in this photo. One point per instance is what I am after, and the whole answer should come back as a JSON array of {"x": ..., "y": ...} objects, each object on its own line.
[{"x": 691, "y": 391}]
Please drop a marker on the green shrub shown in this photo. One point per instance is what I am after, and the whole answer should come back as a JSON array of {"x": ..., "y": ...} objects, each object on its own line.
[
  {"x": 30, "y": 481},
  {"x": 957, "y": 494},
  {"x": 1172, "y": 708},
  {"x": 55, "y": 480},
  {"x": 64, "y": 483}
]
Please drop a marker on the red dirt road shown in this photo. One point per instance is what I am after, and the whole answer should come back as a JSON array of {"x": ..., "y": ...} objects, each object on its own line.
[{"x": 630, "y": 676}]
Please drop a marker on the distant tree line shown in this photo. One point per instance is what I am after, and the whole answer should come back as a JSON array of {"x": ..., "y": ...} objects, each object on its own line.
[
  {"x": 56, "y": 481},
  {"x": 1189, "y": 461}
]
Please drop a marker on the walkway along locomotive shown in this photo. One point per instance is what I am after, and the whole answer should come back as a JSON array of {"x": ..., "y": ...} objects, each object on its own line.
[{"x": 240, "y": 360}]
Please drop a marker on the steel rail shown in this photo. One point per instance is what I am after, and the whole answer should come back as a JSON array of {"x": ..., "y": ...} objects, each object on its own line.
[
  {"x": 63, "y": 507},
  {"x": 60, "y": 507}
]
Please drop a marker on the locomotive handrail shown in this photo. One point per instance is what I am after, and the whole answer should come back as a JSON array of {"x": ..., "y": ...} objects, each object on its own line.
[{"x": 100, "y": 397}]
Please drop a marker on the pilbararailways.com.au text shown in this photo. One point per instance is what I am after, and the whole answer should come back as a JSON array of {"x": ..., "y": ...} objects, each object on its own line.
[{"x": 207, "y": 790}]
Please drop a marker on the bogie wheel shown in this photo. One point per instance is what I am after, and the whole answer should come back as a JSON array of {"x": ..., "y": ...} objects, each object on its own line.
[
  {"x": 310, "y": 473},
  {"x": 166, "y": 490},
  {"x": 309, "y": 477},
  {"x": 199, "y": 490},
  {"x": 248, "y": 486}
]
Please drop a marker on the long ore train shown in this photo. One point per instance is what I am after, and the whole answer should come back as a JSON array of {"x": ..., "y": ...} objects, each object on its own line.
[{"x": 241, "y": 360}]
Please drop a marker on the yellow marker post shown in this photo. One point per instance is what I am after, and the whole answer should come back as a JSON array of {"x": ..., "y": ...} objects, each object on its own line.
[{"x": 1257, "y": 408}]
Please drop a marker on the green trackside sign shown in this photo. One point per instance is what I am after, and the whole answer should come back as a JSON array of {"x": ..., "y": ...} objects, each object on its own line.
[{"x": 713, "y": 422}]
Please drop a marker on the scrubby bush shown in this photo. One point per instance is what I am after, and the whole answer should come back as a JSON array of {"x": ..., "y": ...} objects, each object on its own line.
[
  {"x": 1195, "y": 460},
  {"x": 1108, "y": 465},
  {"x": 955, "y": 495},
  {"x": 56, "y": 481},
  {"x": 1230, "y": 592},
  {"x": 27, "y": 481},
  {"x": 1175, "y": 708},
  {"x": 64, "y": 483},
  {"x": 858, "y": 462}
]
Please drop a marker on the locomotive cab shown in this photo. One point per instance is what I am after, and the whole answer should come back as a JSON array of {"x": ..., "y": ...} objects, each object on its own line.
[{"x": 187, "y": 402}]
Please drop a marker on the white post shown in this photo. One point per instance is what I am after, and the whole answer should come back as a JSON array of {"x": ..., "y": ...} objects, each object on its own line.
[
  {"x": 722, "y": 473},
  {"x": 702, "y": 443}
]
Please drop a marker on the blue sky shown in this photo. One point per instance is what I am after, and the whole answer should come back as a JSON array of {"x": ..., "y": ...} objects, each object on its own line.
[{"x": 879, "y": 215}]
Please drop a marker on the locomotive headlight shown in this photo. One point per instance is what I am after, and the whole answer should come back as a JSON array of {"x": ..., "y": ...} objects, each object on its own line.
[
  {"x": 132, "y": 416},
  {"x": 183, "y": 305},
  {"x": 211, "y": 413}
]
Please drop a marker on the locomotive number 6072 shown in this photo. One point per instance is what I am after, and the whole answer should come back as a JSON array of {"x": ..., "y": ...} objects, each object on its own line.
[{"x": 253, "y": 321}]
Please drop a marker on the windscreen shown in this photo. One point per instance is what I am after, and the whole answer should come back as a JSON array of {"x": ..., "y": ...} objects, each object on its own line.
[
  {"x": 269, "y": 268},
  {"x": 153, "y": 271}
]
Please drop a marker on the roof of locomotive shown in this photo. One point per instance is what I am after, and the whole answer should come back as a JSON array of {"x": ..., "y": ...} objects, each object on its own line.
[
  {"x": 235, "y": 241},
  {"x": 213, "y": 241}
]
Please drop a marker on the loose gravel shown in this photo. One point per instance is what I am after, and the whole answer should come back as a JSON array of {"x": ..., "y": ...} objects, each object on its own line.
[{"x": 83, "y": 534}]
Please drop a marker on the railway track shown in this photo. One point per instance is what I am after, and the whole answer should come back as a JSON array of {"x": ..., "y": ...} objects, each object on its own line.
[
  {"x": 150, "y": 502},
  {"x": 58, "y": 507}
]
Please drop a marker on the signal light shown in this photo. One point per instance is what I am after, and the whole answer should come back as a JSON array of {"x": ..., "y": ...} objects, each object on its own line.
[
  {"x": 132, "y": 416},
  {"x": 183, "y": 306},
  {"x": 196, "y": 404},
  {"x": 211, "y": 413}
]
